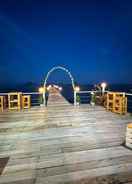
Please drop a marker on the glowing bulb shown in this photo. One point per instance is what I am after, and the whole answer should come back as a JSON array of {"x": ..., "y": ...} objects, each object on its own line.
[
  {"x": 60, "y": 88},
  {"x": 103, "y": 85},
  {"x": 41, "y": 90},
  {"x": 49, "y": 87},
  {"x": 77, "y": 88}
]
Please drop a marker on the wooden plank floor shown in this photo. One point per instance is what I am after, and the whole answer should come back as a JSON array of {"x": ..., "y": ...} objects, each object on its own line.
[{"x": 62, "y": 144}]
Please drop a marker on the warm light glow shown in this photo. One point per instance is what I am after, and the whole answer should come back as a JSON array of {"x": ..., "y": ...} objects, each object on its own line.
[
  {"x": 103, "y": 85},
  {"x": 41, "y": 90},
  {"x": 77, "y": 88},
  {"x": 60, "y": 88},
  {"x": 56, "y": 86},
  {"x": 49, "y": 87}
]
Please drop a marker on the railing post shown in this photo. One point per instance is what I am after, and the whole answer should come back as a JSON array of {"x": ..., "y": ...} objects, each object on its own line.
[
  {"x": 75, "y": 98},
  {"x": 44, "y": 100},
  {"x": 103, "y": 90}
]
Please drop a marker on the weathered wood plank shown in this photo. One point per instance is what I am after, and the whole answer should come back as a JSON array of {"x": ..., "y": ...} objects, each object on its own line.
[{"x": 63, "y": 144}]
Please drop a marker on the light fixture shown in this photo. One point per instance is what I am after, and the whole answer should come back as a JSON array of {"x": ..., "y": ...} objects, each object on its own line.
[
  {"x": 60, "y": 88},
  {"x": 103, "y": 86},
  {"x": 77, "y": 89},
  {"x": 41, "y": 90},
  {"x": 49, "y": 87}
]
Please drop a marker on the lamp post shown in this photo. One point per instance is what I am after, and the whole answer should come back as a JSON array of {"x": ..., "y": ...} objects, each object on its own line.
[
  {"x": 103, "y": 86},
  {"x": 76, "y": 89}
]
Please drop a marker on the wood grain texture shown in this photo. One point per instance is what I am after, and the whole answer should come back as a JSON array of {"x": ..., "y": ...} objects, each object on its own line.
[{"x": 63, "y": 144}]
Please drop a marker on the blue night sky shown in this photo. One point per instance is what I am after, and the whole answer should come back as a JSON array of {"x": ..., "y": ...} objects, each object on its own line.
[{"x": 93, "y": 39}]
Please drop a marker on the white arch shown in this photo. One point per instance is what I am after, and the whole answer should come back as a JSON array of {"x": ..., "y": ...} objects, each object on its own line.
[
  {"x": 52, "y": 70},
  {"x": 59, "y": 68}
]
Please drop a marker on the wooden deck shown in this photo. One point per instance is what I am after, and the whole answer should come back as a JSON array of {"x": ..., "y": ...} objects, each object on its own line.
[{"x": 62, "y": 144}]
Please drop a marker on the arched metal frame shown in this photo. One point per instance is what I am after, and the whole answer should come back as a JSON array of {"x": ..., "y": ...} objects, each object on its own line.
[{"x": 52, "y": 70}]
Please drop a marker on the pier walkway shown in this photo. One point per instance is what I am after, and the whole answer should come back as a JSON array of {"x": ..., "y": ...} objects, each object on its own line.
[{"x": 63, "y": 144}]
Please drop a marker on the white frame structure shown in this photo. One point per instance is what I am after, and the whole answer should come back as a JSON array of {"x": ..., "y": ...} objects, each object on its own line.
[{"x": 49, "y": 73}]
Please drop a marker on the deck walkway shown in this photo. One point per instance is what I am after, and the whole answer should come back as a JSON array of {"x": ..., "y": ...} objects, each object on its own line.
[{"x": 62, "y": 144}]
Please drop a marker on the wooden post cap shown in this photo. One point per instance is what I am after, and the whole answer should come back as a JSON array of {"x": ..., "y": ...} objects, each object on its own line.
[{"x": 129, "y": 125}]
